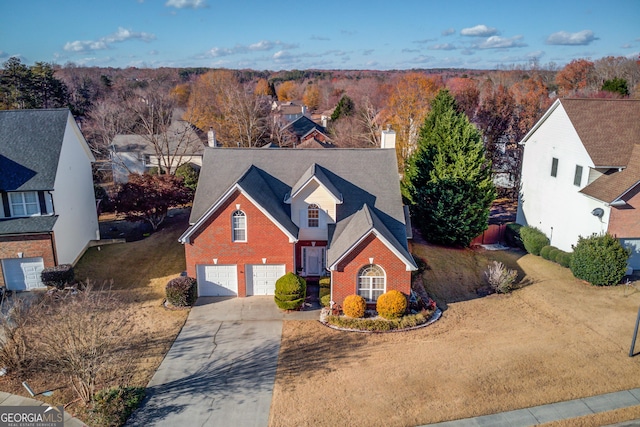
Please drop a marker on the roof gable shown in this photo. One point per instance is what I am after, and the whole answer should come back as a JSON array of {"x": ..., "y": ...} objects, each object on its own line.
[
  {"x": 315, "y": 173},
  {"x": 303, "y": 125},
  {"x": 613, "y": 185},
  {"x": 608, "y": 128},
  {"x": 355, "y": 229},
  {"x": 30, "y": 146}
]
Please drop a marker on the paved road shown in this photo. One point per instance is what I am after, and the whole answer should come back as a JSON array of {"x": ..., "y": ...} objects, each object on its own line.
[{"x": 221, "y": 369}]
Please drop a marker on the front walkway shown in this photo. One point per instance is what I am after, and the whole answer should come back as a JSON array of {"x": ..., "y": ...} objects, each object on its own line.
[
  {"x": 220, "y": 370},
  {"x": 553, "y": 412}
]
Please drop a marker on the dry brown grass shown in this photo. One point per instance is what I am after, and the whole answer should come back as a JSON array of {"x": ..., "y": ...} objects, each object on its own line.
[
  {"x": 137, "y": 273},
  {"x": 554, "y": 339}
]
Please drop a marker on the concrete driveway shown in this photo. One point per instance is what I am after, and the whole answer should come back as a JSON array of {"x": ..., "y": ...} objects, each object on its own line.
[{"x": 221, "y": 368}]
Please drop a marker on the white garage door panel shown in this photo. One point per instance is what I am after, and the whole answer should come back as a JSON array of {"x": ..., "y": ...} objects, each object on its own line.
[
  {"x": 23, "y": 274},
  {"x": 217, "y": 280},
  {"x": 261, "y": 278}
]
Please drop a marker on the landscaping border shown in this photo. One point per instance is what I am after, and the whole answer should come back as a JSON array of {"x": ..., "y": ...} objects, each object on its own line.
[{"x": 434, "y": 318}]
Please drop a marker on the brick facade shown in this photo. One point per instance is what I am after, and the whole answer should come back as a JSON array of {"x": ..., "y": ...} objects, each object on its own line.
[
  {"x": 344, "y": 280},
  {"x": 214, "y": 240},
  {"x": 31, "y": 246}
]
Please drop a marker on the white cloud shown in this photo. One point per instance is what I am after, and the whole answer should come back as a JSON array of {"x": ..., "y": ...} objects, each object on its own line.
[
  {"x": 321, "y": 38},
  {"x": 581, "y": 38},
  {"x": 121, "y": 35},
  {"x": 478, "y": 31},
  {"x": 497, "y": 42},
  {"x": 448, "y": 31},
  {"x": 186, "y": 4},
  {"x": 367, "y": 52},
  {"x": 442, "y": 46},
  {"x": 262, "y": 45},
  {"x": 124, "y": 34},
  {"x": 3, "y": 54},
  {"x": 424, "y": 41}
]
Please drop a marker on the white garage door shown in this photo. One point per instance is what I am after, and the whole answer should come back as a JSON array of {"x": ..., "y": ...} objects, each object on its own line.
[
  {"x": 217, "y": 280},
  {"x": 261, "y": 278},
  {"x": 22, "y": 274}
]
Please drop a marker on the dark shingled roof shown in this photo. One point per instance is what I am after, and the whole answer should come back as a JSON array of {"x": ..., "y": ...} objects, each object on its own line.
[
  {"x": 608, "y": 128},
  {"x": 363, "y": 177},
  {"x": 30, "y": 143},
  {"x": 302, "y": 126},
  {"x": 32, "y": 225},
  {"x": 316, "y": 171}
]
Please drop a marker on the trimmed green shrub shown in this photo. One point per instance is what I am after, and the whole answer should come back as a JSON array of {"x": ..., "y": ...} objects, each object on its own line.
[
  {"x": 112, "y": 407},
  {"x": 564, "y": 259},
  {"x": 391, "y": 304},
  {"x": 291, "y": 291},
  {"x": 533, "y": 239},
  {"x": 600, "y": 260},
  {"x": 189, "y": 175},
  {"x": 354, "y": 306},
  {"x": 325, "y": 300},
  {"x": 544, "y": 252},
  {"x": 512, "y": 236},
  {"x": 553, "y": 254},
  {"x": 181, "y": 291},
  {"x": 58, "y": 276},
  {"x": 325, "y": 287}
]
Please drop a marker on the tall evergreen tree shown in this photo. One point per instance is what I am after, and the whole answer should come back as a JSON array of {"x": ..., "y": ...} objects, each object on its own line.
[{"x": 448, "y": 178}]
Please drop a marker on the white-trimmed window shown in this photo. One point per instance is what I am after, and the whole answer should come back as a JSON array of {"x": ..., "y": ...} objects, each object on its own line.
[
  {"x": 24, "y": 204},
  {"x": 371, "y": 282},
  {"x": 313, "y": 216},
  {"x": 239, "y": 226}
]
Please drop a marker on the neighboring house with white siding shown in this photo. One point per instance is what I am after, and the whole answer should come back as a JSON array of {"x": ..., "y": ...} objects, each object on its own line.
[
  {"x": 581, "y": 173},
  {"x": 133, "y": 153},
  {"x": 48, "y": 210}
]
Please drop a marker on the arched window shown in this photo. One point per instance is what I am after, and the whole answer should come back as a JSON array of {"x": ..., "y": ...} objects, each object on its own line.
[
  {"x": 239, "y": 227},
  {"x": 371, "y": 282},
  {"x": 313, "y": 215}
]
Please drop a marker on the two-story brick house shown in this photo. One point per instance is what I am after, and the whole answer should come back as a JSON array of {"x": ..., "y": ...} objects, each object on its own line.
[{"x": 258, "y": 214}]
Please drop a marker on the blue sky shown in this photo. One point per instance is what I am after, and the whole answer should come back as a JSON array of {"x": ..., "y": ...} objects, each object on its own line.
[{"x": 328, "y": 34}]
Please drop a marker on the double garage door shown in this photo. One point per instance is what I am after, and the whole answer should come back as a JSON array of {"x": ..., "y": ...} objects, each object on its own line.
[
  {"x": 222, "y": 280},
  {"x": 22, "y": 274}
]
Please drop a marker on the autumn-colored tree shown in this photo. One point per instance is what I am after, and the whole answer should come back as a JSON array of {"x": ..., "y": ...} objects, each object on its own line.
[
  {"x": 495, "y": 116},
  {"x": 466, "y": 93},
  {"x": 238, "y": 116},
  {"x": 287, "y": 91},
  {"x": 264, "y": 88},
  {"x": 149, "y": 197},
  {"x": 532, "y": 100},
  {"x": 575, "y": 76},
  {"x": 407, "y": 106},
  {"x": 311, "y": 97},
  {"x": 181, "y": 93}
]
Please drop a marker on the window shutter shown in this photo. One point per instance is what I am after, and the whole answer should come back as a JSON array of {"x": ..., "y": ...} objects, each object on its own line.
[{"x": 303, "y": 218}]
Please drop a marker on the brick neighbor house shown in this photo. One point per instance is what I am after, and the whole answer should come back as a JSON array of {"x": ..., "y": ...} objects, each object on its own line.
[
  {"x": 581, "y": 173},
  {"x": 48, "y": 208},
  {"x": 258, "y": 214}
]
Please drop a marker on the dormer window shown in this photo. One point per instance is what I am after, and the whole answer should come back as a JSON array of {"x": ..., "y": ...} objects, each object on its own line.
[
  {"x": 24, "y": 204},
  {"x": 239, "y": 226},
  {"x": 313, "y": 216}
]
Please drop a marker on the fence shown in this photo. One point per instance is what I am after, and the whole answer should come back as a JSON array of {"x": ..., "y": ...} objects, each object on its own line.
[{"x": 491, "y": 236}]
